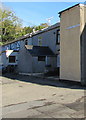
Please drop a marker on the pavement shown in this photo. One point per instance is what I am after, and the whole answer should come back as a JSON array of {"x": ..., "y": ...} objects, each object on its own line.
[
  {"x": 41, "y": 75},
  {"x": 26, "y": 96}
]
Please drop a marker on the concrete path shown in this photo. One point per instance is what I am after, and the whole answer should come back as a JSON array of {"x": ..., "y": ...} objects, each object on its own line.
[
  {"x": 31, "y": 97},
  {"x": 44, "y": 109}
]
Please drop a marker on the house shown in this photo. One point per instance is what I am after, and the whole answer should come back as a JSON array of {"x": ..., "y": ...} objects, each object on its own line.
[
  {"x": 34, "y": 52},
  {"x": 39, "y": 51},
  {"x": 73, "y": 43}
]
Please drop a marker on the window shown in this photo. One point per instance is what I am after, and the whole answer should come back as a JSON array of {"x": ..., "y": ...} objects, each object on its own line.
[
  {"x": 41, "y": 58},
  {"x": 12, "y": 59},
  {"x": 39, "y": 41},
  {"x": 58, "y": 37}
]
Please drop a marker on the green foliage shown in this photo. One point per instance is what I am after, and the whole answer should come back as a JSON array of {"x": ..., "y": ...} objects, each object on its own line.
[
  {"x": 1, "y": 43},
  {"x": 27, "y": 30},
  {"x": 10, "y": 25},
  {"x": 41, "y": 26}
]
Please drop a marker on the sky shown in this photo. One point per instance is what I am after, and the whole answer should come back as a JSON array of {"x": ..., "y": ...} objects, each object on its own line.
[{"x": 35, "y": 13}]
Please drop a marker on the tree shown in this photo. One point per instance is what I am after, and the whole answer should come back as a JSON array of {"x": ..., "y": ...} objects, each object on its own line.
[
  {"x": 10, "y": 25},
  {"x": 44, "y": 25},
  {"x": 29, "y": 29},
  {"x": 41, "y": 26}
]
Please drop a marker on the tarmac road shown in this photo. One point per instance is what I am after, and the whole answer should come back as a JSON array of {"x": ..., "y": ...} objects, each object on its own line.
[{"x": 32, "y": 97}]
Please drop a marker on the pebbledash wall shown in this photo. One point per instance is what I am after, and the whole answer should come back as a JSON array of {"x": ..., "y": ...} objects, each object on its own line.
[{"x": 72, "y": 43}]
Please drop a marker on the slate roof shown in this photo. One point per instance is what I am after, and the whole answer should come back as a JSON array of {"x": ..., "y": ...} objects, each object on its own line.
[{"x": 39, "y": 50}]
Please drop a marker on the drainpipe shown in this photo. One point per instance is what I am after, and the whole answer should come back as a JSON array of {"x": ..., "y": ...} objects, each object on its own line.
[
  {"x": 32, "y": 67},
  {"x": 46, "y": 60}
]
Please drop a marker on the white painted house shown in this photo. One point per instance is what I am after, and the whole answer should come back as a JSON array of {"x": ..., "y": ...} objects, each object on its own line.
[{"x": 34, "y": 51}]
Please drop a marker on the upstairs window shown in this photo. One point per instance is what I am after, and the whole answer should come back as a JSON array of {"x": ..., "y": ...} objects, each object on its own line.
[
  {"x": 58, "y": 37},
  {"x": 40, "y": 41},
  {"x": 12, "y": 59}
]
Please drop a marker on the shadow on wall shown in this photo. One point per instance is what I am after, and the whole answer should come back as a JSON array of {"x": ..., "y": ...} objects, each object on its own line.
[
  {"x": 83, "y": 55},
  {"x": 45, "y": 81}
]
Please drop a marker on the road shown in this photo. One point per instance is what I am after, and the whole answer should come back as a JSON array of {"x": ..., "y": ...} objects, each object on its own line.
[{"x": 32, "y": 97}]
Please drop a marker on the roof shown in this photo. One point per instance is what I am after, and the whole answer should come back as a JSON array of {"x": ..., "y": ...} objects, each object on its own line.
[
  {"x": 36, "y": 33},
  {"x": 39, "y": 50},
  {"x": 70, "y": 8}
]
